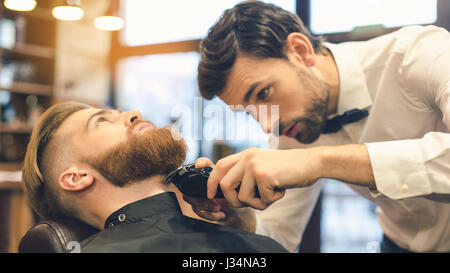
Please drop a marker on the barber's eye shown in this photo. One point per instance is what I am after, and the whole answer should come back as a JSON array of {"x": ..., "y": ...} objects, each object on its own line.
[{"x": 263, "y": 94}]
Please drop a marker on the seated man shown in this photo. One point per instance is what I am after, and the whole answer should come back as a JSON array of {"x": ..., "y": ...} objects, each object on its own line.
[{"x": 107, "y": 169}]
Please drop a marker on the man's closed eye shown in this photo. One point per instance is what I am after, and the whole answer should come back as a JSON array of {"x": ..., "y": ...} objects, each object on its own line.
[{"x": 100, "y": 120}]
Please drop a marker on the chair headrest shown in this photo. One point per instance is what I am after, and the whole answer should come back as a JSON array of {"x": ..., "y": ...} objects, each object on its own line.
[{"x": 55, "y": 236}]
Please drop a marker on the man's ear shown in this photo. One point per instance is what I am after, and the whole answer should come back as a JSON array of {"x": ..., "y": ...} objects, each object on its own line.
[
  {"x": 299, "y": 49},
  {"x": 75, "y": 179}
]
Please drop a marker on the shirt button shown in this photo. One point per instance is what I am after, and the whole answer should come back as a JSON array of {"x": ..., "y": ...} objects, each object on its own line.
[
  {"x": 122, "y": 217},
  {"x": 111, "y": 225},
  {"x": 404, "y": 188}
]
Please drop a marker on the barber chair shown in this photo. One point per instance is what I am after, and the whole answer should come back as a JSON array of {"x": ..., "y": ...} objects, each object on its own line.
[{"x": 62, "y": 236}]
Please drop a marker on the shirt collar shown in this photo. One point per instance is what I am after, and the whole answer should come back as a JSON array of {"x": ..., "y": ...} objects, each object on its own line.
[
  {"x": 144, "y": 208},
  {"x": 353, "y": 91}
]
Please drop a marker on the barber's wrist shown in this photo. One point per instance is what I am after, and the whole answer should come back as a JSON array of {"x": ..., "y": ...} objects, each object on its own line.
[
  {"x": 349, "y": 163},
  {"x": 326, "y": 158},
  {"x": 320, "y": 158},
  {"x": 309, "y": 166}
]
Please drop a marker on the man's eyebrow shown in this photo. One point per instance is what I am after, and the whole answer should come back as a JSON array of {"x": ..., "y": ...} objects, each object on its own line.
[
  {"x": 250, "y": 91},
  {"x": 101, "y": 112}
]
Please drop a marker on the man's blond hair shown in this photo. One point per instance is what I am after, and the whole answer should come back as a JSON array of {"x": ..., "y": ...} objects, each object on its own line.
[{"x": 42, "y": 152}]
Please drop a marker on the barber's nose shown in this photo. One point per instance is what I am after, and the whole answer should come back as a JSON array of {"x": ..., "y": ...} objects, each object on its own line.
[
  {"x": 266, "y": 127},
  {"x": 265, "y": 124},
  {"x": 132, "y": 116},
  {"x": 268, "y": 118}
]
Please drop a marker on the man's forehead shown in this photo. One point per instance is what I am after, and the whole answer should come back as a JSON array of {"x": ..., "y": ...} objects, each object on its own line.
[{"x": 77, "y": 120}]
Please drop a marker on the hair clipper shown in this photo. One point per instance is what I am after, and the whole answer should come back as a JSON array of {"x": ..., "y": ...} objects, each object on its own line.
[{"x": 193, "y": 182}]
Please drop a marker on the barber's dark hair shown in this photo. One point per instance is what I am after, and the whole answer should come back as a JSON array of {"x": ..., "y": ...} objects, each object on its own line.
[{"x": 252, "y": 28}]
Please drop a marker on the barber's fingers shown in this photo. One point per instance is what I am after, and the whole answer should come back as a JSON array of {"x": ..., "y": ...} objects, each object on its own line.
[
  {"x": 220, "y": 170},
  {"x": 265, "y": 182},
  {"x": 213, "y": 216},
  {"x": 268, "y": 190},
  {"x": 209, "y": 209},
  {"x": 202, "y": 162},
  {"x": 203, "y": 204},
  {"x": 231, "y": 181},
  {"x": 247, "y": 191}
]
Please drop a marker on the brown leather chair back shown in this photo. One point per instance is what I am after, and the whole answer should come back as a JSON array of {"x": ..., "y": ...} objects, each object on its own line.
[{"x": 62, "y": 236}]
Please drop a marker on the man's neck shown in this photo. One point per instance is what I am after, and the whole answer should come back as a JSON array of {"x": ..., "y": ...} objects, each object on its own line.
[{"x": 118, "y": 197}]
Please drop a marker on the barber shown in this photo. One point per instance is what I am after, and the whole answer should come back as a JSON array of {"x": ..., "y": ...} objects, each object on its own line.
[{"x": 374, "y": 115}]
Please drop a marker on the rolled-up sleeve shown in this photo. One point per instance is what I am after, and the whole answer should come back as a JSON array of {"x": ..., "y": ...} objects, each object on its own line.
[{"x": 419, "y": 167}]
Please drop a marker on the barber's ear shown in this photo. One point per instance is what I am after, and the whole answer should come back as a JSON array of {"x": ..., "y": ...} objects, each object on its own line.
[
  {"x": 74, "y": 179},
  {"x": 300, "y": 49}
]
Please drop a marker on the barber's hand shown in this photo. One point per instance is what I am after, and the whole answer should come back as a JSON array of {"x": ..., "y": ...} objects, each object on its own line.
[
  {"x": 270, "y": 171},
  {"x": 220, "y": 210}
]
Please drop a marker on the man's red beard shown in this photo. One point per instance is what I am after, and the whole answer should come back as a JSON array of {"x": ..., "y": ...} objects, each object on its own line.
[{"x": 153, "y": 152}]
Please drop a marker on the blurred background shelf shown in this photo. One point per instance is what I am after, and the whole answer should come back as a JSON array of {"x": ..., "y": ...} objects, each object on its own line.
[
  {"x": 31, "y": 50},
  {"x": 11, "y": 166},
  {"x": 15, "y": 129},
  {"x": 40, "y": 12},
  {"x": 12, "y": 186},
  {"x": 29, "y": 88},
  {"x": 27, "y": 81}
]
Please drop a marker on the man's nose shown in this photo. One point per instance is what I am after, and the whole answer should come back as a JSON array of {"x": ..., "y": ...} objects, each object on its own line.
[{"x": 131, "y": 116}]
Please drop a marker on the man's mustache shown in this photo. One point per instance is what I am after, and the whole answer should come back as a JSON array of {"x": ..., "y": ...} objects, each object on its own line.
[{"x": 140, "y": 121}]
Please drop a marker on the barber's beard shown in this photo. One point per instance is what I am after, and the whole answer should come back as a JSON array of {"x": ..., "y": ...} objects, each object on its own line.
[
  {"x": 315, "y": 119},
  {"x": 154, "y": 152}
]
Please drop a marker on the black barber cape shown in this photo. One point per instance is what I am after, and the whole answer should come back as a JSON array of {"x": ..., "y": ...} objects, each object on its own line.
[{"x": 156, "y": 224}]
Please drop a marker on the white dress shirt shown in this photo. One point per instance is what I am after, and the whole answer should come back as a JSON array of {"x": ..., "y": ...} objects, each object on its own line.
[{"x": 403, "y": 79}]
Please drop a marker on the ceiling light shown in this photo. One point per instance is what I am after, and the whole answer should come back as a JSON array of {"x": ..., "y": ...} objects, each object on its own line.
[
  {"x": 109, "y": 23},
  {"x": 68, "y": 10},
  {"x": 20, "y": 5}
]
